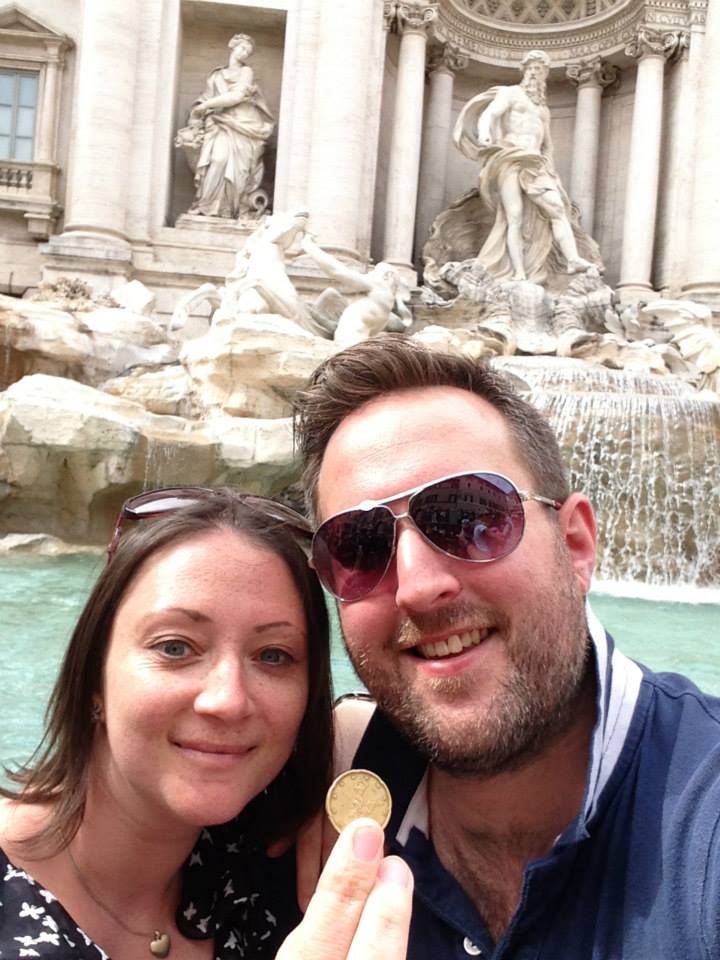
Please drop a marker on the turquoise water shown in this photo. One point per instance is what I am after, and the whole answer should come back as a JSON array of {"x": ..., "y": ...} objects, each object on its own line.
[{"x": 40, "y": 598}]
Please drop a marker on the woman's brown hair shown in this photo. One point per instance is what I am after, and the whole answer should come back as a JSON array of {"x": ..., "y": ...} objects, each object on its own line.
[{"x": 57, "y": 773}]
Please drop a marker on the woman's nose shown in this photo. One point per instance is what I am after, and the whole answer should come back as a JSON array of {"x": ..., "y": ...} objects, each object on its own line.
[{"x": 224, "y": 691}]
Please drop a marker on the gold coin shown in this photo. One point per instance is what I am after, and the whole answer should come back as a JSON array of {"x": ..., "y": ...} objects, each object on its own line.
[{"x": 358, "y": 793}]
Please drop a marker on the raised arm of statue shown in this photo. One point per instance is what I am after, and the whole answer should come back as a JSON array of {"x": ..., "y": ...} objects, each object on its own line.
[{"x": 336, "y": 268}]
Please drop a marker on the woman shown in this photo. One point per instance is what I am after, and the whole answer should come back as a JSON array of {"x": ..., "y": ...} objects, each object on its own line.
[{"x": 194, "y": 692}]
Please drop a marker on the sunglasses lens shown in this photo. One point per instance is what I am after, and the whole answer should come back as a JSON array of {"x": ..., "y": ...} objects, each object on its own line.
[
  {"x": 475, "y": 516},
  {"x": 161, "y": 501},
  {"x": 351, "y": 551}
]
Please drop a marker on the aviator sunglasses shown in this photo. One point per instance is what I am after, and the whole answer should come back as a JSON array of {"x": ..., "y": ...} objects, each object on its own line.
[
  {"x": 477, "y": 517},
  {"x": 156, "y": 503}
]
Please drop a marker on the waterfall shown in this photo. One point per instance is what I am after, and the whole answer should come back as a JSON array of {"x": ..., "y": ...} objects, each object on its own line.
[{"x": 646, "y": 451}]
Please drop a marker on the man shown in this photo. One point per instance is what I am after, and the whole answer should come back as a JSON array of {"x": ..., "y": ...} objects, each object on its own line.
[
  {"x": 554, "y": 799},
  {"x": 507, "y": 129}
]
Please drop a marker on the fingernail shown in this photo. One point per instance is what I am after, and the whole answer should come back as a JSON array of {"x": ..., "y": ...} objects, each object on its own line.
[
  {"x": 367, "y": 842},
  {"x": 395, "y": 870}
]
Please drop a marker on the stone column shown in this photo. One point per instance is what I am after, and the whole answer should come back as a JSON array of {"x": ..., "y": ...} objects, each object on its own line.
[
  {"x": 412, "y": 20},
  {"x": 703, "y": 263},
  {"x": 337, "y": 137},
  {"x": 675, "y": 195},
  {"x": 651, "y": 49},
  {"x": 295, "y": 123},
  {"x": 443, "y": 63},
  {"x": 102, "y": 139},
  {"x": 590, "y": 77}
]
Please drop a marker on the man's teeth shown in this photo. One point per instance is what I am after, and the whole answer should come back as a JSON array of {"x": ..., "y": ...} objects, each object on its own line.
[{"x": 455, "y": 643}]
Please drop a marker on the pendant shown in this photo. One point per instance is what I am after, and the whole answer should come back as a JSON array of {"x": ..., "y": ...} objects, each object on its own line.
[{"x": 160, "y": 944}]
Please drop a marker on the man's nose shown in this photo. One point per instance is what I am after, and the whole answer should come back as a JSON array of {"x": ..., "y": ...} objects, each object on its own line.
[
  {"x": 426, "y": 577},
  {"x": 224, "y": 691}
]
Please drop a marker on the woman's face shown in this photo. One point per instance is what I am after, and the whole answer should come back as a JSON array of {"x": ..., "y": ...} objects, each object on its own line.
[{"x": 205, "y": 681}]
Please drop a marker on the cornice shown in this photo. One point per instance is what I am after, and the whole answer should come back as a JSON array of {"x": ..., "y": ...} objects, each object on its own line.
[{"x": 607, "y": 33}]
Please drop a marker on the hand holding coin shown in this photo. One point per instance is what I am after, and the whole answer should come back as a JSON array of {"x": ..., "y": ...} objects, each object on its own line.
[
  {"x": 362, "y": 905},
  {"x": 358, "y": 793}
]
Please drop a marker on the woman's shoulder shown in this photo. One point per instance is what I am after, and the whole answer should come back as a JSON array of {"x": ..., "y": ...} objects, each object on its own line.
[{"x": 18, "y": 821}]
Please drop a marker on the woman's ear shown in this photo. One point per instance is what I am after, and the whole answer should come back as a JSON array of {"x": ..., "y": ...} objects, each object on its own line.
[{"x": 577, "y": 524}]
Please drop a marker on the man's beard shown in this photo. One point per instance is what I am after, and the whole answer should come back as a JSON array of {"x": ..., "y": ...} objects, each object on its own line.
[
  {"x": 535, "y": 701},
  {"x": 535, "y": 88}
]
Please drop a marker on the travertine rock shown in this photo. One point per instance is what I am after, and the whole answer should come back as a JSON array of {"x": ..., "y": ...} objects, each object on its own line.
[{"x": 70, "y": 454}]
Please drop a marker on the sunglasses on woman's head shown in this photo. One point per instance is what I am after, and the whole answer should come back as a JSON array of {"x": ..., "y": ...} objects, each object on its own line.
[
  {"x": 156, "y": 503},
  {"x": 478, "y": 517}
]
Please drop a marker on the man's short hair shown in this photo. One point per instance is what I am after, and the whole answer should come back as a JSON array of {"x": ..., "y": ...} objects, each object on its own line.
[{"x": 391, "y": 363}]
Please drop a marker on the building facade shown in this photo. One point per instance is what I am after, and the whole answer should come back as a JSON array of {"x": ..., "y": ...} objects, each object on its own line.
[{"x": 364, "y": 94}]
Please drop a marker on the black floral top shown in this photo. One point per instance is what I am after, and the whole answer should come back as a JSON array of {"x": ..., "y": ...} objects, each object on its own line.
[{"x": 244, "y": 901}]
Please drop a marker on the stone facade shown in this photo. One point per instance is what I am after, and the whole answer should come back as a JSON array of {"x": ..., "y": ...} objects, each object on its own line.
[{"x": 364, "y": 95}]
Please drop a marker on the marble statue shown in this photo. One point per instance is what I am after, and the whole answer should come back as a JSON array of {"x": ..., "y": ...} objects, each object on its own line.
[
  {"x": 381, "y": 306},
  {"x": 259, "y": 282},
  {"x": 225, "y": 139},
  {"x": 507, "y": 129}
]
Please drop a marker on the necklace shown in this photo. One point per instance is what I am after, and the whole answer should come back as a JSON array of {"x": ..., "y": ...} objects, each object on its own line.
[{"x": 159, "y": 943}]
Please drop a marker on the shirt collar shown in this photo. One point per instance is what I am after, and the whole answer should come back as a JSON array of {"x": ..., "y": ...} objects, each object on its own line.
[{"x": 618, "y": 685}]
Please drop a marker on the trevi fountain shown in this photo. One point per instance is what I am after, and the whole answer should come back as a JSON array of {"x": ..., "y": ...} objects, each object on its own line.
[{"x": 104, "y": 393}]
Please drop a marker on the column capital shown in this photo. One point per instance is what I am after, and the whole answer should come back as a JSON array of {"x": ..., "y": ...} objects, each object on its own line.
[
  {"x": 446, "y": 57},
  {"x": 649, "y": 42},
  {"x": 410, "y": 16},
  {"x": 592, "y": 73}
]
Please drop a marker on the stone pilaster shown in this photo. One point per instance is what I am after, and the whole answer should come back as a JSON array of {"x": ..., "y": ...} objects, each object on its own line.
[
  {"x": 45, "y": 143},
  {"x": 411, "y": 19},
  {"x": 590, "y": 77},
  {"x": 95, "y": 217},
  {"x": 443, "y": 63},
  {"x": 651, "y": 48},
  {"x": 703, "y": 264}
]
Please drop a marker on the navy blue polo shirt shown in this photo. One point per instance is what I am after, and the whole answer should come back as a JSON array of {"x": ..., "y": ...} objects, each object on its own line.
[{"x": 635, "y": 876}]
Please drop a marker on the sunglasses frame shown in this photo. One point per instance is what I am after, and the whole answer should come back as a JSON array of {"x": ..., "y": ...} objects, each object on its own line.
[
  {"x": 190, "y": 495},
  {"x": 366, "y": 505}
]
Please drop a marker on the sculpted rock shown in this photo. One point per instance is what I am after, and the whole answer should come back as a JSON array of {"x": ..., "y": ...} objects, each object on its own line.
[
  {"x": 89, "y": 345},
  {"x": 70, "y": 454},
  {"x": 251, "y": 371}
]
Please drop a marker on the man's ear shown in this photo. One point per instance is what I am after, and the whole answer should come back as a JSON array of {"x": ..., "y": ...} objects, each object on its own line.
[{"x": 577, "y": 524}]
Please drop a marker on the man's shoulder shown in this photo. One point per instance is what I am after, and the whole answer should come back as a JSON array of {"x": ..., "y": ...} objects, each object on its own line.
[{"x": 676, "y": 695}]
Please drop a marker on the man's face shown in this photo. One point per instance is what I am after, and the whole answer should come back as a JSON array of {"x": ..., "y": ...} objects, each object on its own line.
[{"x": 520, "y": 620}]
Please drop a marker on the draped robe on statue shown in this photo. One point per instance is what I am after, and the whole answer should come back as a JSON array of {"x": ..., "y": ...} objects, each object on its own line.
[{"x": 229, "y": 167}]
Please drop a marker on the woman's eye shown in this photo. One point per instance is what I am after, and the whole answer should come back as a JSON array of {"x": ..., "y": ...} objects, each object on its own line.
[
  {"x": 175, "y": 649},
  {"x": 275, "y": 656}
]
